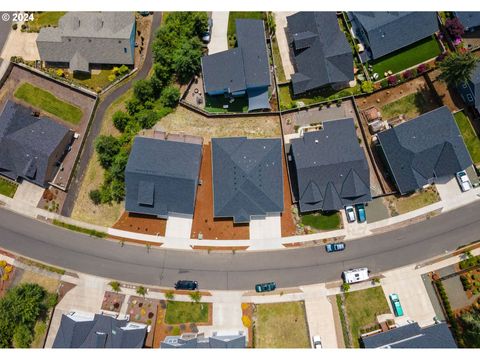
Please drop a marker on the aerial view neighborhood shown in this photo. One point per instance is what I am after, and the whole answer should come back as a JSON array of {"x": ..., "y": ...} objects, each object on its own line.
[{"x": 235, "y": 180}]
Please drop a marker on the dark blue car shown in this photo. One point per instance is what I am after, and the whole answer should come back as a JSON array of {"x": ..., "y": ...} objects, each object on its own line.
[
  {"x": 361, "y": 215},
  {"x": 335, "y": 247}
]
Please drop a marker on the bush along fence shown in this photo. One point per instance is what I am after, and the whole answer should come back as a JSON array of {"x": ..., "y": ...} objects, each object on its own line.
[{"x": 447, "y": 310}]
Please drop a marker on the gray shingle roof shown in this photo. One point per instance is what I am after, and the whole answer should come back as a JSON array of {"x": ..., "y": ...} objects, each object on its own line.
[
  {"x": 84, "y": 38},
  {"x": 234, "y": 341},
  {"x": 469, "y": 19},
  {"x": 161, "y": 177},
  {"x": 411, "y": 336},
  {"x": 321, "y": 51},
  {"x": 330, "y": 168},
  {"x": 386, "y": 32},
  {"x": 244, "y": 67},
  {"x": 29, "y": 146},
  {"x": 423, "y": 149},
  {"x": 101, "y": 332},
  {"x": 247, "y": 177}
]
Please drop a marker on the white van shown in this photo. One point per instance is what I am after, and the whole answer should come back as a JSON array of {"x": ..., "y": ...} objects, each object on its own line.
[{"x": 355, "y": 275}]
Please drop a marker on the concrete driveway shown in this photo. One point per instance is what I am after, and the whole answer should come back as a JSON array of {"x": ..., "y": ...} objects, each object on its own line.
[
  {"x": 179, "y": 227},
  {"x": 21, "y": 44},
  {"x": 451, "y": 194},
  {"x": 219, "y": 40},
  {"x": 267, "y": 228},
  {"x": 281, "y": 21},
  {"x": 29, "y": 193}
]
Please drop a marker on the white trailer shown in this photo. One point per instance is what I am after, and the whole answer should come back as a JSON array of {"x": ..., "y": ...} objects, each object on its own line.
[{"x": 355, "y": 275}]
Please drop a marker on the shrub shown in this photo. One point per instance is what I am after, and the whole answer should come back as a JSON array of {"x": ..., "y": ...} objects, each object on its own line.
[
  {"x": 120, "y": 120},
  {"x": 454, "y": 27},
  {"x": 176, "y": 331},
  {"x": 170, "y": 96},
  {"x": 392, "y": 80},
  {"x": 59, "y": 73},
  {"x": 3, "y": 263},
  {"x": 15, "y": 26},
  {"x": 367, "y": 87},
  {"x": 421, "y": 68},
  {"x": 407, "y": 74},
  {"x": 247, "y": 322},
  {"x": 384, "y": 83},
  {"x": 244, "y": 306},
  {"x": 22, "y": 337},
  {"x": 107, "y": 148},
  {"x": 111, "y": 77},
  {"x": 123, "y": 70},
  {"x": 95, "y": 196},
  {"x": 345, "y": 287}
]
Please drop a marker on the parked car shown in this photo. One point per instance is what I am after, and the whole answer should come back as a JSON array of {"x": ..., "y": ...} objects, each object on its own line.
[
  {"x": 355, "y": 275},
  {"x": 317, "y": 342},
  {"x": 265, "y": 287},
  {"x": 463, "y": 181},
  {"x": 186, "y": 285},
  {"x": 335, "y": 247},
  {"x": 397, "y": 307},
  {"x": 206, "y": 36},
  {"x": 361, "y": 215},
  {"x": 350, "y": 212}
]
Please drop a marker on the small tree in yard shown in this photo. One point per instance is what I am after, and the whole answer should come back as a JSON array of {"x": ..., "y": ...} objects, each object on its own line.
[
  {"x": 345, "y": 287},
  {"x": 115, "y": 285},
  {"x": 170, "y": 96},
  {"x": 170, "y": 295},
  {"x": 141, "y": 291},
  {"x": 196, "y": 296},
  {"x": 95, "y": 196},
  {"x": 107, "y": 148},
  {"x": 22, "y": 337},
  {"x": 454, "y": 27},
  {"x": 458, "y": 68}
]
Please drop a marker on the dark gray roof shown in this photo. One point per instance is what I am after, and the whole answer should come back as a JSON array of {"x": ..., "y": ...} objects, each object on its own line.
[
  {"x": 469, "y": 19},
  {"x": 386, "y": 32},
  {"x": 258, "y": 99},
  {"x": 247, "y": 177},
  {"x": 192, "y": 341},
  {"x": 424, "y": 148},
  {"x": 321, "y": 51},
  {"x": 29, "y": 146},
  {"x": 242, "y": 68},
  {"x": 101, "y": 332},
  {"x": 412, "y": 336},
  {"x": 330, "y": 168},
  {"x": 161, "y": 177},
  {"x": 84, "y": 38}
]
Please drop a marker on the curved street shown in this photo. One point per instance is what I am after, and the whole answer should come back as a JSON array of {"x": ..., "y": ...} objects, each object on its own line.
[{"x": 242, "y": 270}]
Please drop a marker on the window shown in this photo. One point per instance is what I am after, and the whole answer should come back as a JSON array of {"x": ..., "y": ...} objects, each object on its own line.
[{"x": 125, "y": 50}]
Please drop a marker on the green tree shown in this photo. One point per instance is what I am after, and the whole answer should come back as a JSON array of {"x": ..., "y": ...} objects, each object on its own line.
[
  {"x": 186, "y": 59},
  {"x": 147, "y": 118},
  {"x": 134, "y": 106},
  {"x": 95, "y": 196},
  {"x": 170, "y": 295},
  {"x": 458, "y": 67},
  {"x": 143, "y": 91},
  {"x": 471, "y": 328},
  {"x": 107, "y": 147},
  {"x": 170, "y": 96},
  {"x": 142, "y": 291},
  {"x": 115, "y": 285},
  {"x": 22, "y": 337},
  {"x": 195, "y": 296},
  {"x": 120, "y": 120}
]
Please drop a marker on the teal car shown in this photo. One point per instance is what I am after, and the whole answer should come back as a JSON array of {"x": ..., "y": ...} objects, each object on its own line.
[
  {"x": 397, "y": 307},
  {"x": 266, "y": 287}
]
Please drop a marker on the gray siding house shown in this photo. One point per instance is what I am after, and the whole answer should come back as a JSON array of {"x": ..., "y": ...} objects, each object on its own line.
[
  {"x": 224, "y": 340},
  {"x": 31, "y": 148},
  {"x": 83, "y": 39},
  {"x": 470, "y": 20}
]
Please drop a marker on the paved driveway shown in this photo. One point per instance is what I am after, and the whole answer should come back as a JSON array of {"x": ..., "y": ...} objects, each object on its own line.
[
  {"x": 179, "y": 227},
  {"x": 29, "y": 193},
  {"x": 21, "y": 44},
  {"x": 267, "y": 228},
  {"x": 281, "y": 21},
  {"x": 219, "y": 40}
]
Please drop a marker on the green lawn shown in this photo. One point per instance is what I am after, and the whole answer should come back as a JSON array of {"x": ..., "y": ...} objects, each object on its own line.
[
  {"x": 471, "y": 139},
  {"x": 233, "y": 15},
  {"x": 7, "y": 188},
  {"x": 96, "y": 81},
  {"x": 362, "y": 307},
  {"x": 214, "y": 104},
  {"x": 180, "y": 312},
  {"x": 411, "y": 105},
  {"x": 407, "y": 57},
  {"x": 324, "y": 94},
  {"x": 322, "y": 221},
  {"x": 281, "y": 325},
  {"x": 278, "y": 61},
  {"x": 49, "y": 103},
  {"x": 44, "y": 19}
]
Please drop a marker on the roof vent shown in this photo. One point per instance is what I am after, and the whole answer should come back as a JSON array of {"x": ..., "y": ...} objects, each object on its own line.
[{"x": 316, "y": 141}]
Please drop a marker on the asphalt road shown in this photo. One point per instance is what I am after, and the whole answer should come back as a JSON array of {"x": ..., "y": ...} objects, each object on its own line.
[
  {"x": 5, "y": 27},
  {"x": 240, "y": 271},
  {"x": 96, "y": 124}
]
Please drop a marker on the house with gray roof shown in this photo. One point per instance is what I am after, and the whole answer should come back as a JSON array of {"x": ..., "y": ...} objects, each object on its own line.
[
  {"x": 328, "y": 168},
  {"x": 470, "y": 90},
  {"x": 85, "y": 39},
  {"x": 241, "y": 71},
  {"x": 98, "y": 331},
  {"x": 419, "y": 151},
  {"x": 383, "y": 33},
  {"x": 219, "y": 340},
  {"x": 31, "y": 148},
  {"x": 247, "y": 178},
  {"x": 321, "y": 53},
  {"x": 161, "y": 177},
  {"x": 412, "y": 336},
  {"x": 469, "y": 19}
]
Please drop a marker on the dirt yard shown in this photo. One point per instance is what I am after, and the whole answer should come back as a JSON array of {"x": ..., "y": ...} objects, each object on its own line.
[
  {"x": 203, "y": 220},
  {"x": 189, "y": 122},
  {"x": 143, "y": 224}
]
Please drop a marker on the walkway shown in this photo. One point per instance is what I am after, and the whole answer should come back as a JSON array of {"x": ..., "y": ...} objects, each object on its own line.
[
  {"x": 281, "y": 21},
  {"x": 219, "y": 38}
]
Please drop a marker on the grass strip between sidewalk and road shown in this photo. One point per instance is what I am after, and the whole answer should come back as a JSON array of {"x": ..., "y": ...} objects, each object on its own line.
[{"x": 79, "y": 229}]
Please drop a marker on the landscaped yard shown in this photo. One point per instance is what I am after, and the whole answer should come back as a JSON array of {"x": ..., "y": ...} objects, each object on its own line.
[
  {"x": 319, "y": 221},
  {"x": 362, "y": 308},
  {"x": 46, "y": 101},
  {"x": 214, "y": 104},
  {"x": 281, "y": 325},
  {"x": 97, "y": 80},
  {"x": 232, "y": 16},
  {"x": 325, "y": 94},
  {"x": 471, "y": 139},
  {"x": 407, "y": 57},
  {"x": 44, "y": 19},
  {"x": 7, "y": 188},
  {"x": 403, "y": 204},
  {"x": 411, "y": 105},
  {"x": 180, "y": 312}
]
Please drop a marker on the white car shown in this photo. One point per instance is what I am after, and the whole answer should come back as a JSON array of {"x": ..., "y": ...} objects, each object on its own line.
[
  {"x": 463, "y": 181},
  {"x": 317, "y": 342},
  {"x": 350, "y": 212}
]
